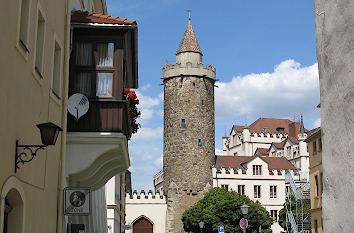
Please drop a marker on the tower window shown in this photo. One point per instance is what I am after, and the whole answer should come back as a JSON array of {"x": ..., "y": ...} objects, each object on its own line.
[
  {"x": 202, "y": 102},
  {"x": 193, "y": 83},
  {"x": 199, "y": 142},
  {"x": 183, "y": 123}
]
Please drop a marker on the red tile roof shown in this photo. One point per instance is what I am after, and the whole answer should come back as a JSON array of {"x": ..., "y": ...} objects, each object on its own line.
[
  {"x": 312, "y": 132},
  {"x": 290, "y": 127},
  {"x": 279, "y": 145},
  {"x": 274, "y": 163},
  {"x": 262, "y": 151},
  {"x": 87, "y": 17}
]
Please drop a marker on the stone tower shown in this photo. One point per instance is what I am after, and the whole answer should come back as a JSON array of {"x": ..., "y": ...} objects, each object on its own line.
[{"x": 189, "y": 138}]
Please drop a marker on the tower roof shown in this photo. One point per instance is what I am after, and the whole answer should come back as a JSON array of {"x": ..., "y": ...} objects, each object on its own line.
[{"x": 189, "y": 42}]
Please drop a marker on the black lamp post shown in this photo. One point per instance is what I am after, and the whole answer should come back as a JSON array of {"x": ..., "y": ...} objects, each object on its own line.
[
  {"x": 201, "y": 225},
  {"x": 49, "y": 135}
]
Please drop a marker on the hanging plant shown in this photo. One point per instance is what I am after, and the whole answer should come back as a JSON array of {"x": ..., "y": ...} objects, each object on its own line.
[{"x": 134, "y": 112}]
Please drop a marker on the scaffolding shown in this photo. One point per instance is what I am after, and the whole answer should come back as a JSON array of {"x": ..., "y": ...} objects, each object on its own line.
[{"x": 298, "y": 192}]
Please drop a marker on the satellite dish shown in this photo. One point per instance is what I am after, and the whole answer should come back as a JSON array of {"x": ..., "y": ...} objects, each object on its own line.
[{"x": 78, "y": 105}]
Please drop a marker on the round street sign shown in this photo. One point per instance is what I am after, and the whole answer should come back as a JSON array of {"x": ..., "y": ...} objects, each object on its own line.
[{"x": 243, "y": 223}]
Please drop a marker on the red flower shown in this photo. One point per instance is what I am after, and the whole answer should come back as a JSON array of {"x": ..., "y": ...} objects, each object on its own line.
[
  {"x": 131, "y": 95},
  {"x": 136, "y": 101},
  {"x": 126, "y": 90}
]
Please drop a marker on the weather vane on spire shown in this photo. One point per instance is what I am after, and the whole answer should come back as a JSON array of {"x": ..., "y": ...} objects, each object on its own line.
[{"x": 189, "y": 13}]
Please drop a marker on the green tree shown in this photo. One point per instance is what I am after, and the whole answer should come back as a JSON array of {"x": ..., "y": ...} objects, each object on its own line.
[
  {"x": 220, "y": 207},
  {"x": 290, "y": 204}
]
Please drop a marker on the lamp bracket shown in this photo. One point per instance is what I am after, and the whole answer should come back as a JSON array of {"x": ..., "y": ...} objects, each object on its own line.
[{"x": 26, "y": 150}]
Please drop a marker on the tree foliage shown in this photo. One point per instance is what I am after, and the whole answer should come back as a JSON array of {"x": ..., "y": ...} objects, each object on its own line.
[
  {"x": 291, "y": 205},
  {"x": 220, "y": 207}
]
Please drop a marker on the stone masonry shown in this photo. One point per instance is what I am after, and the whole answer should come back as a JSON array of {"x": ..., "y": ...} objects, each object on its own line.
[
  {"x": 189, "y": 143},
  {"x": 335, "y": 46}
]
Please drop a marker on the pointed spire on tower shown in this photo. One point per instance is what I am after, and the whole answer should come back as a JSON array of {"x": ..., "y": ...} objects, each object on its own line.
[
  {"x": 189, "y": 42},
  {"x": 302, "y": 128}
]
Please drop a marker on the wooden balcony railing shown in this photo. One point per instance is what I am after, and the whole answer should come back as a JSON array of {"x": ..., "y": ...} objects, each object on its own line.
[{"x": 103, "y": 116}]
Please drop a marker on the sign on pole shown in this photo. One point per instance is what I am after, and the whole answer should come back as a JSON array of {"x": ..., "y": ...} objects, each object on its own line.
[
  {"x": 243, "y": 223},
  {"x": 77, "y": 201},
  {"x": 221, "y": 229}
]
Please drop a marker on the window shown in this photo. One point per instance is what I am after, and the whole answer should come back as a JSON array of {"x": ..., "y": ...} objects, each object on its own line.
[
  {"x": 199, "y": 142},
  {"x": 257, "y": 191},
  {"x": 234, "y": 139},
  {"x": 183, "y": 123},
  {"x": 57, "y": 70},
  {"x": 273, "y": 191},
  {"x": 95, "y": 69},
  {"x": 274, "y": 215},
  {"x": 288, "y": 151},
  {"x": 257, "y": 170},
  {"x": 314, "y": 147},
  {"x": 241, "y": 189},
  {"x": 39, "y": 44},
  {"x": 202, "y": 102},
  {"x": 273, "y": 154},
  {"x": 225, "y": 186},
  {"x": 24, "y": 20},
  {"x": 320, "y": 144},
  {"x": 316, "y": 226},
  {"x": 321, "y": 182},
  {"x": 316, "y": 186}
]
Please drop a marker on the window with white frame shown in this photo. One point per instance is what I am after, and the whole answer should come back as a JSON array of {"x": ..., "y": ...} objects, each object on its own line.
[
  {"x": 257, "y": 170},
  {"x": 273, "y": 191},
  {"x": 40, "y": 43},
  {"x": 274, "y": 214},
  {"x": 257, "y": 191},
  {"x": 24, "y": 22},
  {"x": 57, "y": 69},
  {"x": 241, "y": 189}
]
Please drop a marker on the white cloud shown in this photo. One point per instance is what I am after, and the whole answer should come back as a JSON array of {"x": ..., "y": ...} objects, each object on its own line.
[
  {"x": 148, "y": 134},
  {"x": 145, "y": 87},
  {"x": 317, "y": 123},
  {"x": 159, "y": 161},
  {"x": 289, "y": 89},
  {"x": 146, "y": 101},
  {"x": 218, "y": 151}
]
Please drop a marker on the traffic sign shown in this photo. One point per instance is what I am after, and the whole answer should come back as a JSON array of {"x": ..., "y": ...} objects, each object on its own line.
[
  {"x": 77, "y": 201},
  {"x": 243, "y": 223},
  {"x": 221, "y": 229}
]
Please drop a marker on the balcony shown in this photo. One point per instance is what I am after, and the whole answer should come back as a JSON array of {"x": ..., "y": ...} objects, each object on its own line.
[{"x": 104, "y": 116}]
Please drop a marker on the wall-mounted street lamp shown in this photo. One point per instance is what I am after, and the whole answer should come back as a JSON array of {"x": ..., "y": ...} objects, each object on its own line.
[
  {"x": 244, "y": 209},
  {"x": 49, "y": 135}
]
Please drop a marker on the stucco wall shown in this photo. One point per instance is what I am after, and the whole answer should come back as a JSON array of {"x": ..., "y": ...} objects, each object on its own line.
[
  {"x": 151, "y": 207},
  {"x": 334, "y": 37},
  {"x": 27, "y": 100}
]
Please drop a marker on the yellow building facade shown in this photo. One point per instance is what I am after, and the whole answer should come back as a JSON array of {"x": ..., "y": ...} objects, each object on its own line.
[
  {"x": 33, "y": 87},
  {"x": 314, "y": 143}
]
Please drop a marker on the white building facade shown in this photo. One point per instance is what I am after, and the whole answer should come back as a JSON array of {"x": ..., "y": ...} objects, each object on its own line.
[
  {"x": 272, "y": 138},
  {"x": 260, "y": 178}
]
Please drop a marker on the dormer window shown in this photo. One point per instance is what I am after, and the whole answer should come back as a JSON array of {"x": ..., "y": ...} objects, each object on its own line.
[
  {"x": 265, "y": 129},
  {"x": 257, "y": 170},
  {"x": 280, "y": 129}
]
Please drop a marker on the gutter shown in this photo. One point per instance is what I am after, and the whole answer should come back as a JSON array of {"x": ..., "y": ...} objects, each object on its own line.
[{"x": 60, "y": 216}]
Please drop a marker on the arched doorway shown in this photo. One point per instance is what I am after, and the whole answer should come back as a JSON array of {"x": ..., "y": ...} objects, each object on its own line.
[{"x": 142, "y": 225}]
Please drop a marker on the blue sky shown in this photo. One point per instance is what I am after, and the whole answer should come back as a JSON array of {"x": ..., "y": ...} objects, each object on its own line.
[{"x": 263, "y": 51}]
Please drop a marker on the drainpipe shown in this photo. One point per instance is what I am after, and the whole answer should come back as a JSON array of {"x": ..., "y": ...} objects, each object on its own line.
[{"x": 60, "y": 216}]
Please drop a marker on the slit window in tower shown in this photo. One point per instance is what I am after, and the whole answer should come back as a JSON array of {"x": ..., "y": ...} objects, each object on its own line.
[
  {"x": 202, "y": 102},
  {"x": 193, "y": 84},
  {"x": 183, "y": 123},
  {"x": 199, "y": 142}
]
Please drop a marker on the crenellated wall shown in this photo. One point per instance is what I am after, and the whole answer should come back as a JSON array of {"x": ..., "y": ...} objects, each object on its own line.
[{"x": 149, "y": 206}]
